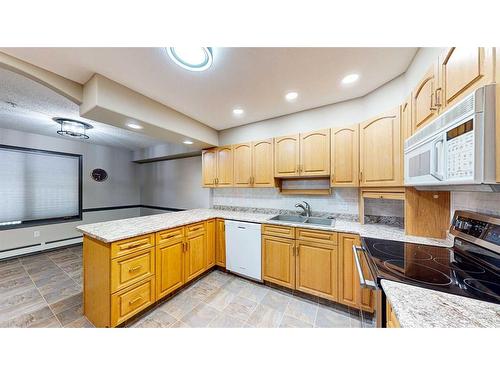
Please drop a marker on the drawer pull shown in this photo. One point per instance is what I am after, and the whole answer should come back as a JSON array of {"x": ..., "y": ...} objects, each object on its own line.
[
  {"x": 196, "y": 228},
  {"x": 171, "y": 235},
  {"x": 135, "y": 300},
  {"x": 135, "y": 244},
  {"x": 133, "y": 269}
]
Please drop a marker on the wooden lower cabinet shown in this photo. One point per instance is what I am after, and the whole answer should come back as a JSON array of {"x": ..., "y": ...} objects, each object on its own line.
[
  {"x": 210, "y": 249},
  {"x": 278, "y": 261},
  {"x": 220, "y": 243},
  {"x": 194, "y": 257},
  {"x": 316, "y": 269},
  {"x": 169, "y": 267},
  {"x": 391, "y": 321},
  {"x": 132, "y": 300}
]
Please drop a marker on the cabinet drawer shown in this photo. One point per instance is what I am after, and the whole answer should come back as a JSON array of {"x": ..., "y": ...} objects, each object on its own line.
[
  {"x": 128, "y": 302},
  {"x": 278, "y": 231},
  {"x": 132, "y": 268},
  {"x": 195, "y": 229},
  {"x": 130, "y": 245},
  {"x": 320, "y": 236},
  {"x": 169, "y": 235}
]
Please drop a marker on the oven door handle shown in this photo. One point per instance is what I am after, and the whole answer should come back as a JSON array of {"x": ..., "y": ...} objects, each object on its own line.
[{"x": 368, "y": 284}]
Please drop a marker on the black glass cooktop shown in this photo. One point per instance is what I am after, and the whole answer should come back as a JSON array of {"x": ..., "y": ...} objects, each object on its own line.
[{"x": 452, "y": 270}]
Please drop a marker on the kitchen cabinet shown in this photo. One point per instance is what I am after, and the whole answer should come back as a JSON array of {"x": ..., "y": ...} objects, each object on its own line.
[
  {"x": 217, "y": 167},
  {"x": 423, "y": 103},
  {"x": 461, "y": 71},
  {"x": 302, "y": 155},
  {"x": 278, "y": 261},
  {"x": 391, "y": 319},
  {"x": 380, "y": 150},
  {"x": 220, "y": 243},
  {"x": 169, "y": 266},
  {"x": 194, "y": 258},
  {"x": 345, "y": 156},
  {"x": 253, "y": 164},
  {"x": 209, "y": 167},
  {"x": 406, "y": 126},
  {"x": 210, "y": 248}
]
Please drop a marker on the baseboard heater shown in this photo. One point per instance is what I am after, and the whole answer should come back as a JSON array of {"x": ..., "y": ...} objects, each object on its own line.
[{"x": 39, "y": 247}]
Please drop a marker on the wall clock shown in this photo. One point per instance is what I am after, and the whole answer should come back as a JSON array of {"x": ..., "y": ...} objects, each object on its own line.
[{"x": 99, "y": 174}]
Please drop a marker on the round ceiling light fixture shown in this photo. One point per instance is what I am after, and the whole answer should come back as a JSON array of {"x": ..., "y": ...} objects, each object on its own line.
[
  {"x": 135, "y": 126},
  {"x": 187, "y": 142},
  {"x": 291, "y": 96},
  {"x": 350, "y": 78},
  {"x": 238, "y": 111},
  {"x": 72, "y": 128},
  {"x": 196, "y": 59}
]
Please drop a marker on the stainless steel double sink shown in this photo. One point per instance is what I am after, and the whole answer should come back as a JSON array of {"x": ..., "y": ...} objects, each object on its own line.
[{"x": 304, "y": 220}]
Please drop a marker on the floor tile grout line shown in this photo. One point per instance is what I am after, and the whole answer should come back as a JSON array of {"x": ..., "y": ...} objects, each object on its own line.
[{"x": 67, "y": 274}]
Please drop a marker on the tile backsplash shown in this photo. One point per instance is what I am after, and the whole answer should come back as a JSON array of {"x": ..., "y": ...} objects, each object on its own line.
[{"x": 486, "y": 203}]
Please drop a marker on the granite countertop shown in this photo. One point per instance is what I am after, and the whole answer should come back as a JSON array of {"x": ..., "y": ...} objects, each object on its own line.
[
  {"x": 417, "y": 307},
  {"x": 110, "y": 231}
]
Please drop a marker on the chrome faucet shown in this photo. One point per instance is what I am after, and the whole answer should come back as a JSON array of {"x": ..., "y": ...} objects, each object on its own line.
[{"x": 306, "y": 208}]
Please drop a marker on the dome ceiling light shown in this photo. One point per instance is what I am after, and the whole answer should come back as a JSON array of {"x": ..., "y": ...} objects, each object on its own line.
[
  {"x": 350, "y": 78},
  {"x": 195, "y": 59},
  {"x": 72, "y": 128}
]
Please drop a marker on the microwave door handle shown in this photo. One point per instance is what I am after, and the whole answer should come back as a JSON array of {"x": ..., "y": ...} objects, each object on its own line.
[{"x": 436, "y": 158}]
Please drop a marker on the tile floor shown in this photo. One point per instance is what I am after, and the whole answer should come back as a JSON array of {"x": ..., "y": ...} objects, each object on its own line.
[{"x": 45, "y": 290}]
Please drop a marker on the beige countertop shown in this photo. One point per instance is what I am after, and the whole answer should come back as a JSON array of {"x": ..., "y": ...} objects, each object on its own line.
[
  {"x": 417, "y": 307},
  {"x": 110, "y": 231}
]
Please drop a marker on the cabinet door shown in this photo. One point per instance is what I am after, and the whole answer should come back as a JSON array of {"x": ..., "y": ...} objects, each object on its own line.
[
  {"x": 406, "y": 129},
  {"x": 349, "y": 287},
  {"x": 263, "y": 163},
  {"x": 315, "y": 153},
  {"x": 278, "y": 261},
  {"x": 380, "y": 151},
  {"x": 209, "y": 167},
  {"x": 169, "y": 267},
  {"x": 286, "y": 156},
  {"x": 345, "y": 156},
  {"x": 194, "y": 261},
  {"x": 463, "y": 70},
  {"x": 424, "y": 101},
  {"x": 210, "y": 248},
  {"x": 220, "y": 243},
  {"x": 225, "y": 166},
  {"x": 316, "y": 269},
  {"x": 242, "y": 154}
]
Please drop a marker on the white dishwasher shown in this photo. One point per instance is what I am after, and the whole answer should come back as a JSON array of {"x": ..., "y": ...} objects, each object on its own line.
[{"x": 243, "y": 249}]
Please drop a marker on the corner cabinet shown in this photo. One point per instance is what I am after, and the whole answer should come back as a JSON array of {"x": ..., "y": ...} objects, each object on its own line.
[
  {"x": 253, "y": 164},
  {"x": 217, "y": 167},
  {"x": 345, "y": 156},
  {"x": 381, "y": 150}
]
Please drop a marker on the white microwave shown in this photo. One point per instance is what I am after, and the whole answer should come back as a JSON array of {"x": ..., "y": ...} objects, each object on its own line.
[{"x": 457, "y": 149}]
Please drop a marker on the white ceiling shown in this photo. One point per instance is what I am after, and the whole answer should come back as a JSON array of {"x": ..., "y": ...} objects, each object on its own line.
[
  {"x": 36, "y": 105},
  {"x": 255, "y": 79}
]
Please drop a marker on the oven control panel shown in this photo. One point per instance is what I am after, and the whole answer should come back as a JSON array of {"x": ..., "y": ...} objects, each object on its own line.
[
  {"x": 460, "y": 157},
  {"x": 472, "y": 227}
]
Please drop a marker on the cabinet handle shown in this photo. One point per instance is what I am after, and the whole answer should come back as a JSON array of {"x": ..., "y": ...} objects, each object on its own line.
[
  {"x": 298, "y": 169},
  {"x": 438, "y": 97},
  {"x": 133, "y": 269},
  {"x": 135, "y": 300},
  {"x": 432, "y": 107},
  {"x": 296, "y": 250},
  {"x": 187, "y": 246},
  {"x": 333, "y": 178},
  {"x": 360, "y": 176}
]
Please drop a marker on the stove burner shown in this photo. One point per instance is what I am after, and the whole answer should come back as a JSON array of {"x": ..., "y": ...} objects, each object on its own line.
[
  {"x": 399, "y": 251},
  {"x": 418, "y": 272},
  {"x": 462, "y": 265},
  {"x": 483, "y": 286}
]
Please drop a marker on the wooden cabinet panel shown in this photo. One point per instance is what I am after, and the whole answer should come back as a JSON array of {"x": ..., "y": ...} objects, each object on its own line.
[
  {"x": 348, "y": 278},
  {"x": 345, "y": 156},
  {"x": 278, "y": 261},
  {"x": 263, "y": 163},
  {"x": 391, "y": 319},
  {"x": 128, "y": 302},
  {"x": 380, "y": 150},
  {"x": 462, "y": 70},
  {"x": 286, "y": 156},
  {"x": 366, "y": 296},
  {"x": 242, "y": 154},
  {"x": 194, "y": 256},
  {"x": 224, "y": 166},
  {"x": 315, "y": 153},
  {"x": 423, "y": 104},
  {"x": 169, "y": 267},
  {"x": 170, "y": 235},
  {"x": 209, "y": 167},
  {"x": 130, "y": 245},
  {"x": 210, "y": 256},
  {"x": 278, "y": 231},
  {"x": 406, "y": 128},
  {"x": 132, "y": 268},
  {"x": 321, "y": 236},
  {"x": 195, "y": 229},
  {"x": 316, "y": 269},
  {"x": 220, "y": 243}
]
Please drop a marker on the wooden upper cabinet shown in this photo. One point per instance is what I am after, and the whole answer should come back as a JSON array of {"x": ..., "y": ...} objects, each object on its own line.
[
  {"x": 380, "y": 150},
  {"x": 315, "y": 153},
  {"x": 242, "y": 154},
  {"x": 345, "y": 156},
  {"x": 263, "y": 163},
  {"x": 423, "y": 102},
  {"x": 406, "y": 130},
  {"x": 461, "y": 71},
  {"x": 224, "y": 166},
  {"x": 286, "y": 156},
  {"x": 209, "y": 167}
]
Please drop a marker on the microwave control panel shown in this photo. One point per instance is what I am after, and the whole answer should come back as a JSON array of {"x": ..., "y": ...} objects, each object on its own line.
[{"x": 460, "y": 157}]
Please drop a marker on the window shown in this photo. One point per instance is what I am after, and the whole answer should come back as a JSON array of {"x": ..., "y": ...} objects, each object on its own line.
[{"x": 39, "y": 187}]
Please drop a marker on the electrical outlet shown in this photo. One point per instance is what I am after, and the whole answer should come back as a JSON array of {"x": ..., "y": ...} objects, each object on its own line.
[{"x": 36, "y": 233}]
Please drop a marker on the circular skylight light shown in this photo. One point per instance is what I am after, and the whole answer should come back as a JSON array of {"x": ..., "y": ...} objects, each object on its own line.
[{"x": 195, "y": 59}]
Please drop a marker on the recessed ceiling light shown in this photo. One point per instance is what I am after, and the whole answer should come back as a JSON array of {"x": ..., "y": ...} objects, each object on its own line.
[
  {"x": 350, "y": 78},
  {"x": 188, "y": 142},
  {"x": 134, "y": 126},
  {"x": 195, "y": 59},
  {"x": 238, "y": 111},
  {"x": 291, "y": 96}
]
